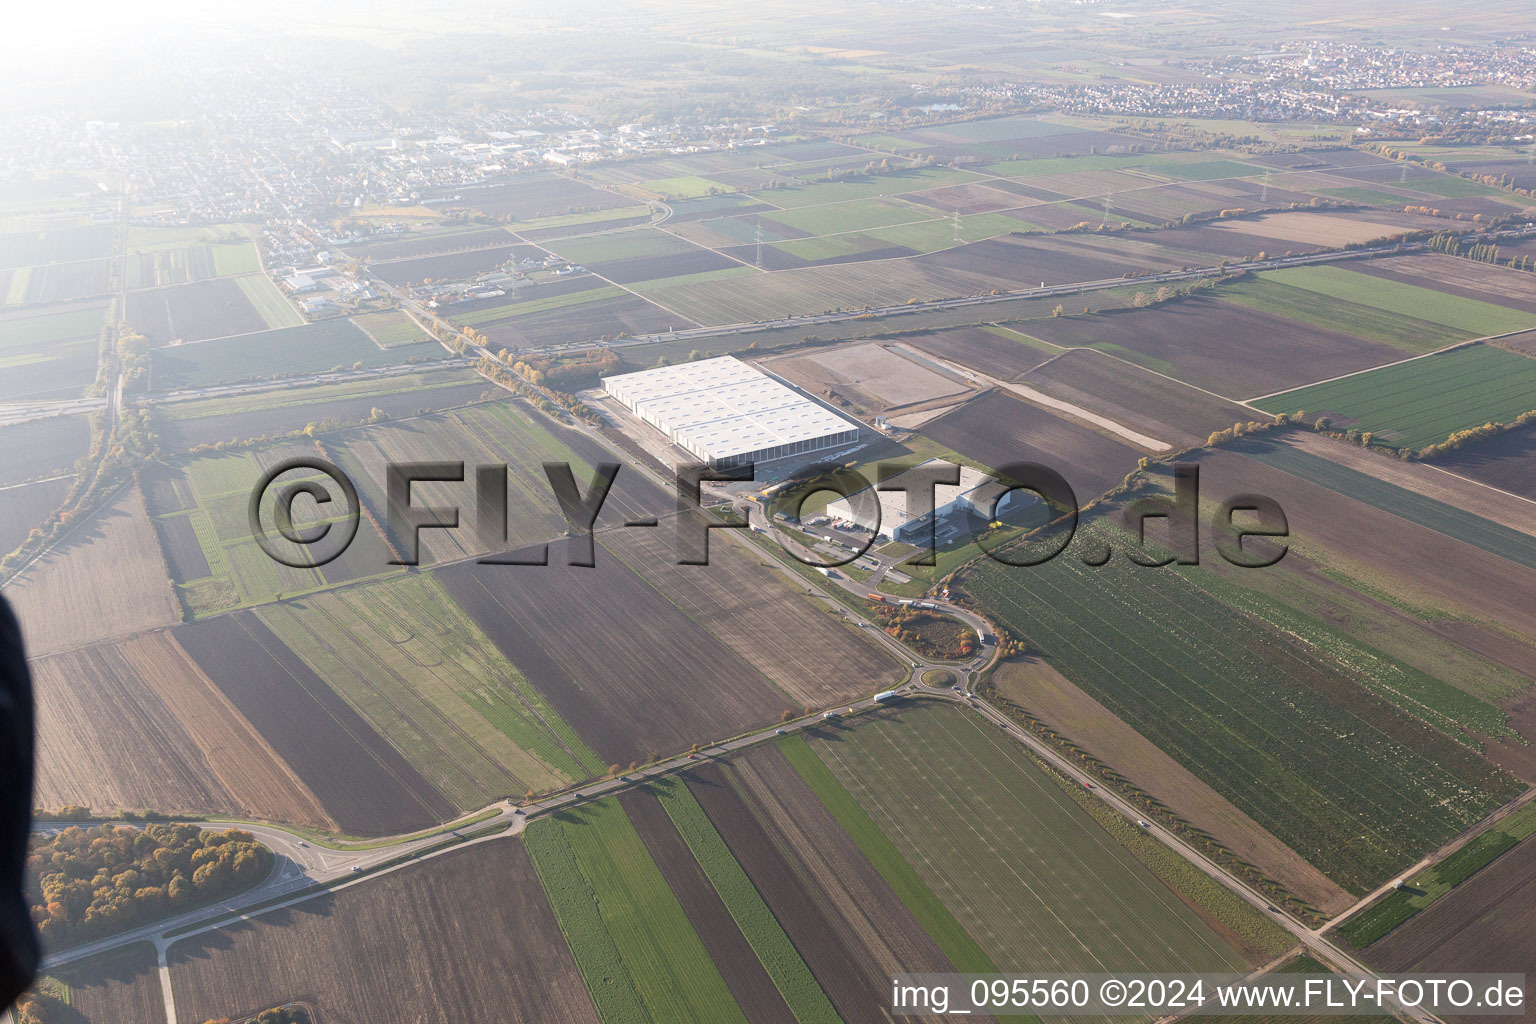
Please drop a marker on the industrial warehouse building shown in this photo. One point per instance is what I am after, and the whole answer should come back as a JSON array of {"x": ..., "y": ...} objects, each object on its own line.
[
  {"x": 727, "y": 413},
  {"x": 978, "y": 496}
]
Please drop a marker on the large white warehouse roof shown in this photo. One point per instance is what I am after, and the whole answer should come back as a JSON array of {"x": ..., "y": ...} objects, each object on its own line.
[{"x": 720, "y": 409}]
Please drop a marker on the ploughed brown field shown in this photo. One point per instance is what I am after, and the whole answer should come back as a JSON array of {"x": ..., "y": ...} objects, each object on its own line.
[
  {"x": 119, "y": 987},
  {"x": 1219, "y": 346},
  {"x": 1507, "y": 462},
  {"x": 23, "y": 507},
  {"x": 452, "y": 265},
  {"x": 531, "y": 198},
  {"x": 628, "y": 314},
  {"x": 429, "y": 244},
  {"x": 1420, "y": 566},
  {"x": 362, "y": 782},
  {"x": 842, "y": 917},
  {"x": 994, "y": 354},
  {"x": 42, "y": 447},
  {"x": 1138, "y": 398},
  {"x": 135, "y": 725},
  {"x": 215, "y": 308},
  {"x": 632, "y": 673},
  {"x": 998, "y": 429},
  {"x": 467, "y": 936},
  {"x": 1482, "y": 926},
  {"x": 104, "y": 579}
]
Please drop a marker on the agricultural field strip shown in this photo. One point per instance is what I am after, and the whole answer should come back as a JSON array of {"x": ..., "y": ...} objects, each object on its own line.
[
  {"x": 1259, "y": 792},
  {"x": 966, "y": 805},
  {"x": 1023, "y": 206},
  {"x": 794, "y": 980},
  {"x": 1456, "y": 523},
  {"x": 1423, "y": 407},
  {"x": 627, "y": 288},
  {"x": 672, "y": 972}
]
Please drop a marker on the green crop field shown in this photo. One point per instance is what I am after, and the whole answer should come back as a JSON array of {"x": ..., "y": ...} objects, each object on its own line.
[
  {"x": 1031, "y": 876},
  {"x": 273, "y": 306},
  {"x": 638, "y": 921},
  {"x": 1267, "y": 294},
  {"x": 390, "y": 328},
  {"x": 1423, "y": 401},
  {"x": 47, "y": 329},
  {"x": 794, "y": 980},
  {"x": 1365, "y": 196},
  {"x": 493, "y": 313},
  {"x": 1473, "y": 317},
  {"x": 1281, "y": 729},
  {"x": 422, "y": 673}
]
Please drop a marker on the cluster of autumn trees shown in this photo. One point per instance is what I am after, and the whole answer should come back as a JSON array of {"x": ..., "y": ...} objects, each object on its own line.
[
  {"x": 1461, "y": 438},
  {"x": 933, "y": 636},
  {"x": 85, "y": 883}
]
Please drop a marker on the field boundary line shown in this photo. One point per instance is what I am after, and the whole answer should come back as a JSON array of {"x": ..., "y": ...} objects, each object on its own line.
[{"x": 1399, "y": 362}]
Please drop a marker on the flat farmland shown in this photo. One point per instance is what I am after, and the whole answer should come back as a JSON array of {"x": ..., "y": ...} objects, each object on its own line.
[
  {"x": 913, "y": 179},
  {"x": 390, "y": 329},
  {"x": 427, "y": 680},
  {"x": 848, "y": 925},
  {"x": 1024, "y": 869},
  {"x": 687, "y": 874},
  {"x": 105, "y": 578},
  {"x": 1472, "y": 317},
  {"x": 217, "y": 563},
  {"x": 1421, "y": 402},
  {"x": 43, "y": 447},
  {"x": 1131, "y": 395},
  {"x": 1281, "y": 730},
  {"x": 764, "y": 616},
  {"x": 136, "y": 725},
  {"x": 1267, "y": 294},
  {"x": 193, "y": 312},
  {"x": 56, "y": 245},
  {"x": 49, "y": 355},
  {"x": 998, "y": 429},
  {"x": 60, "y": 282},
  {"x": 185, "y": 424},
  {"x": 589, "y": 640},
  {"x": 1436, "y": 575},
  {"x": 882, "y": 376},
  {"x": 23, "y": 507},
  {"x": 453, "y": 265},
  {"x": 364, "y": 784},
  {"x": 528, "y": 198},
  {"x": 308, "y": 348},
  {"x": 1481, "y": 925},
  {"x": 407, "y": 946},
  {"x": 427, "y": 243},
  {"x": 1465, "y": 279},
  {"x": 993, "y": 351},
  {"x": 631, "y": 938},
  {"x": 596, "y": 315},
  {"x": 1223, "y": 348},
  {"x": 1050, "y": 697},
  {"x": 504, "y": 432},
  {"x": 1507, "y": 462},
  {"x": 113, "y": 988}
]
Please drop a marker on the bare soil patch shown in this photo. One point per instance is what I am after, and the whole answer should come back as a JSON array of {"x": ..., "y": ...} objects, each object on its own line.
[
  {"x": 409, "y": 946},
  {"x": 105, "y": 579},
  {"x": 980, "y": 349},
  {"x": 997, "y": 429},
  {"x": 1219, "y": 346},
  {"x": 363, "y": 783},
  {"x": 193, "y": 312},
  {"x": 1507, "y": 462},
  {"x": 115, "y": 988}
]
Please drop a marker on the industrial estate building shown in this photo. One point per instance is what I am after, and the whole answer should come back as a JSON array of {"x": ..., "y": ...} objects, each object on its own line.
[
  {"x": 977, "y": 496},
  {"x": 727, "y": 413}
]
